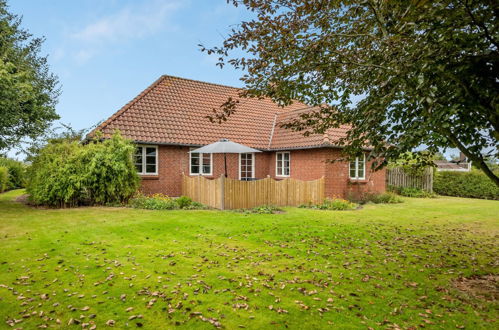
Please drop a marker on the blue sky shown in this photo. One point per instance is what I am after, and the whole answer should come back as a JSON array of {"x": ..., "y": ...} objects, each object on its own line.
[{"x": 105, "y": 52}]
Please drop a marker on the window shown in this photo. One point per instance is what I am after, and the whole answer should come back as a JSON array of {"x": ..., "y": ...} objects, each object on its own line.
[
  {"x": 200, "y": 164},
  {"x": 358, "y": 168},
  {"x": 146, "y": 160},
  {"x": 282, "y": 164},
  {"x": 246, "y": 166}
]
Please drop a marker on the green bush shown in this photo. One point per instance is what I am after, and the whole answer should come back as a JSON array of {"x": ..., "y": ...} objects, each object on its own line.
[
  {"x": 163, "y": 202},
  {"x": 262, "y": 209},
  {"x": 415, "y": 192},
  {"x": 474, "y": 184},
  {"x": 385, "y": 198},
  {"x": 154, "y": 202},
  {"x": 4, "y": 178},
  {"x": 68, "y": 173},
  {"x": 336, "y": 204},
  {"x": 183, "y": 202},
  {"x": 196, "y": 206},
  {"x": 377, "y": 198},
  {"x": 17, "y": 173}
]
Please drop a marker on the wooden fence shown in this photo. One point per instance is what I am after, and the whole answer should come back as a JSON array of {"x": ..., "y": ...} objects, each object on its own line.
[
  {"x": 397, "y": 177},
  {"x": 225, "y": 193}
]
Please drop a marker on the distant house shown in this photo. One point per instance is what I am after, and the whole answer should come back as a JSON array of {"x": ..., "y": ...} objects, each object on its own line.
[
  {"x": 462, "y": 164},
  {"x": 169, "y": 118}
]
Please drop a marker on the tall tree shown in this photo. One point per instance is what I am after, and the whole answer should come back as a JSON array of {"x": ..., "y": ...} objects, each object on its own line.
[
  {"x": 28, "y": 91},
  {"x": 403, "y": 73}
]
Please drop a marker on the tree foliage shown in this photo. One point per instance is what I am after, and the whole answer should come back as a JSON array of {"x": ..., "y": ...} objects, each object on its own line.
[
  {"x": 28, "y": 91},
  {"x": 402, "y": 73}
]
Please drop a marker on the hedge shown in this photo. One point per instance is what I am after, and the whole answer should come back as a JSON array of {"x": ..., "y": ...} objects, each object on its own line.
[
  {"x": 474, "y": 184},
  {"x": 68, "y": 173},
  {"x": 4, "y": 178}
]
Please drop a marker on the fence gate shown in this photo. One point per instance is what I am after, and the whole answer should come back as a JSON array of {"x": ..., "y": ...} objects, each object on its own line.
[
  {"x": 397, "y": 177},
  {"x": 224, "y": 193}
]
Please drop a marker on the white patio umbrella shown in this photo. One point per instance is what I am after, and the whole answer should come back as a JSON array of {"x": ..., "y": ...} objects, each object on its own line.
[{"x": 225, "y": 147}]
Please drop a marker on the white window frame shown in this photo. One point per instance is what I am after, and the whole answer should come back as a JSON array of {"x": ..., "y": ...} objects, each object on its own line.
[
  {"x": 144, "y": 146},
  {"x": 357, "y": 169},
  {"x": 277, "y": 162},
  {"x": 201, "y": 155},
  {"x": 252, "y": 165}
]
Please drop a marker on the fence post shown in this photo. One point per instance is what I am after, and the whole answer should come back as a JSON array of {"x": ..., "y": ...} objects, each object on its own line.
[{"x": 222, "y": 192}]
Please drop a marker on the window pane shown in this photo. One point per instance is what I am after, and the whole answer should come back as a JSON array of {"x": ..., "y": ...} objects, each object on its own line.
[
  {"x": 352, "y": 172},
  {"x": 151, "y": 152},
  {"x": 361, "y": 172},
  {"x": 137, "y": 159},
  {"x": 246, "y": 166},
  {"x": 195, "y": 163},
  {"x": 151, "y": 168},
  {"x": 286, "y": 156},
  {"x": 206, "y": 163},
  {"x": 151, "y": 160}
]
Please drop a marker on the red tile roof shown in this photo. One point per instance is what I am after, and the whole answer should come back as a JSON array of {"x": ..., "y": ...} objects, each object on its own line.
[
  {"x": 173, "y": 111},
  {"x": 286, "y": 138}
]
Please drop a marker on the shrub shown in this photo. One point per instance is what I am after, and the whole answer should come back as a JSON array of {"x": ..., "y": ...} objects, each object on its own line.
[
  {"x": 183, "y": 202},
  {"x": 377, "y": 198},
  {"x": 474, "y": 184},
  {"x": 262, "y": 209},
  {"x": 336, "y": 204},
  {"x": 67, "y": 173},
  {"x": 385, "y": 198},
  {"x": 154, "y": 202},
  {"x": 4, "y": 178},
  {"x": 196, "y": 206},
  {"x": 17, "y": 173},
  {"x": 416, "y": 192},
  {"x": 163, "y": 202}
]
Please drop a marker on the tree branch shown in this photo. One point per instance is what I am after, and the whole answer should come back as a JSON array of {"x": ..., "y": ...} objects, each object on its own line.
[
  {"x": 479, "y": 161},
  {"x": 482, "y": 26}
]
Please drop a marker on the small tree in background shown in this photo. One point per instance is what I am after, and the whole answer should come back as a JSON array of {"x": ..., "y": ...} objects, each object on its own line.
[{"x": 424, "y": 72}]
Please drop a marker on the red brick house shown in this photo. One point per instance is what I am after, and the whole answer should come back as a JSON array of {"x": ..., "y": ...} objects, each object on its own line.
[{"x": 169, "y": 118}]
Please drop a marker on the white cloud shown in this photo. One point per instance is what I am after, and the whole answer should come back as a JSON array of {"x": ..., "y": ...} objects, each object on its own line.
[{"x": 131, "y": 22}]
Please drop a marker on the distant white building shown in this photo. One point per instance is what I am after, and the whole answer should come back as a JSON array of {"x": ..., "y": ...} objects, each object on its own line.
[{"x": 460, "y": 165}]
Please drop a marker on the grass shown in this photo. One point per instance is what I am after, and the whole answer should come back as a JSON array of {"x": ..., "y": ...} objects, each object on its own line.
[{"x": 382, "y": 266}]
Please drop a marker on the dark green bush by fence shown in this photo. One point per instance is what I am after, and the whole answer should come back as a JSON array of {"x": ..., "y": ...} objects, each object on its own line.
[
  {"x": 67, "y": 173},
  {"x": 17, "y": 173},
  {"x": 472, "y": 184},
  {"x": 4, "y": 178}
]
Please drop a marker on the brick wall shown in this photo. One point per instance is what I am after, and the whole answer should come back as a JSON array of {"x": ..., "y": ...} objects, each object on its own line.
[
  {"x": 307, "y": 164},
  {"x": 338, "y": 183}
]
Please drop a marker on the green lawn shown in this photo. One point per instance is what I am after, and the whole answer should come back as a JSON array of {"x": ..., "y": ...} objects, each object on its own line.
[{"x": 383, "y": 266}]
